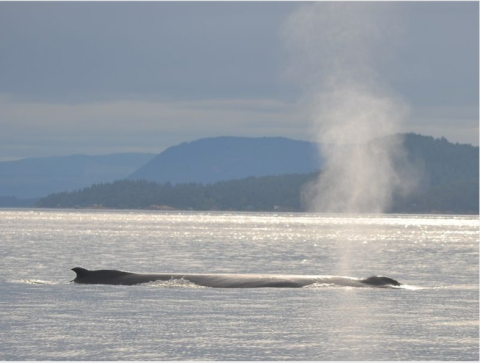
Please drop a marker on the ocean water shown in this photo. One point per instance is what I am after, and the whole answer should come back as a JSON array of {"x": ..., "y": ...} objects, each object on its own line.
[{"x": 43, "y": 316}]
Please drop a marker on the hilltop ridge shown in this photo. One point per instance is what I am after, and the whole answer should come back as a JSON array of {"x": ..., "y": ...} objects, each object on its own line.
[
  {"x": 449, "y": 184},
  {"x": 210, "y": 160}
]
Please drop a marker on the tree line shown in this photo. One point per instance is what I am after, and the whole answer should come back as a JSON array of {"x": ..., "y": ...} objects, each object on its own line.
[
  {"x": 272, "y": 193},
  {"x": 450, "y": 174}
]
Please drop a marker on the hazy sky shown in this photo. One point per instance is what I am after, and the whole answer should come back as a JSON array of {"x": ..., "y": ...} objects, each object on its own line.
[{"x": 107, "y": 77}]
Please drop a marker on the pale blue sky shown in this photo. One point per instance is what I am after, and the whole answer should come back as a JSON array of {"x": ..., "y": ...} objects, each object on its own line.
[{"x": 110, "y": 77}]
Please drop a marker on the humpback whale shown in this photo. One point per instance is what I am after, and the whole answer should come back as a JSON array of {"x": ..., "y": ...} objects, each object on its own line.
[{"x": 115, "y": 277}]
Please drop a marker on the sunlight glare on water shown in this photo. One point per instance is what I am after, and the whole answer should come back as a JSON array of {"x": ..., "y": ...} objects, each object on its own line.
[{"x": 43, "y": 316}]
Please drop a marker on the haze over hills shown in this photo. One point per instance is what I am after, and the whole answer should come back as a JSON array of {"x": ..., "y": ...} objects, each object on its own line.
[
  {"x": 225, "y": 158},
  {"x": 204, "y": 161},
  {"x": 38, "y": 177},
  {"x": 448, "y": 184}
]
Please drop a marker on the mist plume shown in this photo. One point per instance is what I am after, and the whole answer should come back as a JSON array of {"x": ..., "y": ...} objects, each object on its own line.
[{"x": 337, "y": 48}]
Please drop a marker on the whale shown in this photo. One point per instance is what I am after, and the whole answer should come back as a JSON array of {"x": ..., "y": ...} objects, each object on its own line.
[{"x": 116, "y": 277}]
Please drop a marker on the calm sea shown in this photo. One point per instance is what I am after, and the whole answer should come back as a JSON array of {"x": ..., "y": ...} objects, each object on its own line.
[{"x": 45, "y": 317}]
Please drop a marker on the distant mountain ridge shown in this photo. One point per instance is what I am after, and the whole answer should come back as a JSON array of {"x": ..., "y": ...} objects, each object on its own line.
[
  {"x": 449, "y": 171},
  {"x": 449, "y": 184},
  {"x": 38, "y": 177},
  {"x": 216, "y": 159}
]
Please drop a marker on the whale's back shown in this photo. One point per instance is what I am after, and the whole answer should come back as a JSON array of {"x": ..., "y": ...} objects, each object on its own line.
[{"x": 116, "y": 277}]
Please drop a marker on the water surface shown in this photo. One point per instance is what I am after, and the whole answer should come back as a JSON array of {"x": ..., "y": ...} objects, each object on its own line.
[{"x": 43, "y": 316}]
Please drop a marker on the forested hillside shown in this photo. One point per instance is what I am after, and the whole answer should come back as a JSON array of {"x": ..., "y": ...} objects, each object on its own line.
[
  {"x": 449, "y": 184},
  {"x": 264, "y": 193}
]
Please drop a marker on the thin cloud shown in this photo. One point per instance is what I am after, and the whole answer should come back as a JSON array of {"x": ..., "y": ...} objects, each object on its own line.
[{"x": 151, "y": 126}]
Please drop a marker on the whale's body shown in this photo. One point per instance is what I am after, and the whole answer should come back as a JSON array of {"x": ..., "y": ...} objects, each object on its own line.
[{"x": 115, "y": 277}]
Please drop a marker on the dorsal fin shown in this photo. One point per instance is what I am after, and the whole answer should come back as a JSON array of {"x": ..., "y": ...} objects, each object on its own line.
[{"x": 81, "y": 272}]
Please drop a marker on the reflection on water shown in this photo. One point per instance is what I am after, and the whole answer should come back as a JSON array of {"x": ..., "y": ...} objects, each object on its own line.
[
  {"x": 38, "y": 282},
  {"x": 45, "y": 317}
]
